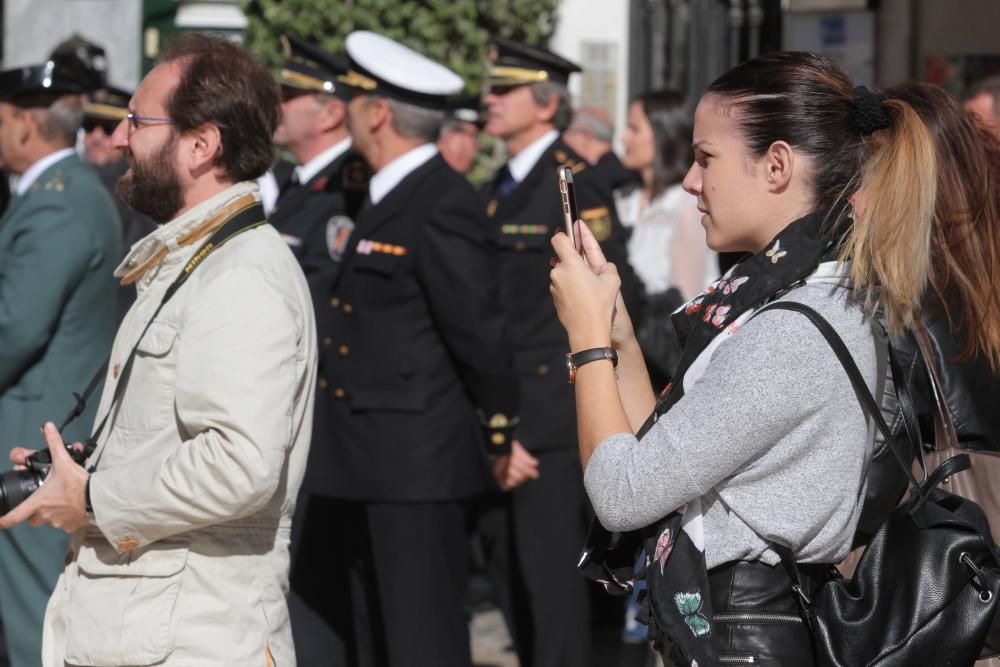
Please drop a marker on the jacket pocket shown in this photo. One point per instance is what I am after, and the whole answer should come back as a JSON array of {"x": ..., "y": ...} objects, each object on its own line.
[
  {"x": 380, "y": 263},
  {"x": 123, "y": 604},
  {"x": 147, "y": 404}
]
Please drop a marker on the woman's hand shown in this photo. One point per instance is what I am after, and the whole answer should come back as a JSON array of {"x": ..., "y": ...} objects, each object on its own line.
[
  {"x": 622, "y": 332},
  {"x": 584, "y": 291}
]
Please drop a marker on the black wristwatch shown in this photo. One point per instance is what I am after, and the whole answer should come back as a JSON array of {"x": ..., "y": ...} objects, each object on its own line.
[{"x": 576, "y": 359}]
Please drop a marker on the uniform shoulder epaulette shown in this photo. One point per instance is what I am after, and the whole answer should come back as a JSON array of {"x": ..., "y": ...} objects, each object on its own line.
[
  {"x": 55, "y": 182},
  {"x": 562, "y": 158}
]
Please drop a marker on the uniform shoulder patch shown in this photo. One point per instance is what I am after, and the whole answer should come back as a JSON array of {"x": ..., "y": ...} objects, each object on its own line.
[
  {"x": 54, "y": 183},
  {"x": 598, "y": 219}
]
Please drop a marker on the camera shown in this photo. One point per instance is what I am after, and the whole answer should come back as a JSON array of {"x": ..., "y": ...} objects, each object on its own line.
[{"x": 17, "y": 485}]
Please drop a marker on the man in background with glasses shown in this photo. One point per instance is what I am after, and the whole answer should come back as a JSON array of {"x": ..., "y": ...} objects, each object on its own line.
[
  {"x": 59, "y": 242},
  {"x": 104, "y": 110}
]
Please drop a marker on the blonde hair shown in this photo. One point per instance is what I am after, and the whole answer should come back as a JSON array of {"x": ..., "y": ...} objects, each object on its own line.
[
  {"x": 890, "y": 242},
  {"x": 931, "y": 225}
]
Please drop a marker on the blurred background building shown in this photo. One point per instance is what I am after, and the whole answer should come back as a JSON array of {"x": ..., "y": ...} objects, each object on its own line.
[{"x": 625, "y": 46}]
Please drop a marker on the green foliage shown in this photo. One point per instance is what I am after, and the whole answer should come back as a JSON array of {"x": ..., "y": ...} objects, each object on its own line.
[{"x": 453, "y": 32}]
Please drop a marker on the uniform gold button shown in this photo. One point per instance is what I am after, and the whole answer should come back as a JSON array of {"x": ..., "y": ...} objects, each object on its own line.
[
  {"x": 128, "y": 544},
  {"x": 348, "y": 309},
  {"x": 498, "y": 438},
  {"x": 343, "y": 350},
  {"x": 519, "y": 245},
  {"x": 334, "y": 302},
  {"x": 543, "y": 369},
  {"x": 339, "y": 392},
  {"x": 323, "y": 384},
  {"x": 327, "y": 342}
]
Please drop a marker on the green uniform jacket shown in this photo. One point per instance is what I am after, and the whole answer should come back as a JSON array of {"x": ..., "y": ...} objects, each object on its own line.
[{"x": 59, "y": 244}]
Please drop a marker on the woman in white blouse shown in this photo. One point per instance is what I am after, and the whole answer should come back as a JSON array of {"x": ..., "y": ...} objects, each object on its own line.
[{"x": 666, "y": 245}]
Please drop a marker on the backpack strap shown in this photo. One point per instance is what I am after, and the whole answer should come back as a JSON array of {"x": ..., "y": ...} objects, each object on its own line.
[{"x": 871, "y": 408}]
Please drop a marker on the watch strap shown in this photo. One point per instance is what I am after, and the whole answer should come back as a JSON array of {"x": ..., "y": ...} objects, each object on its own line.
[{"x": 576, "y": 359}]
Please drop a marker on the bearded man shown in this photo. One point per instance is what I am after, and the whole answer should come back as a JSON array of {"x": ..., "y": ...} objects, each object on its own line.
[{"x": 180, "y": 522}]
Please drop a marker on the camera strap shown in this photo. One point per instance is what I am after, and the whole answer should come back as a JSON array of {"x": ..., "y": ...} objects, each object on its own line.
[{"x": 243, "y": 220}]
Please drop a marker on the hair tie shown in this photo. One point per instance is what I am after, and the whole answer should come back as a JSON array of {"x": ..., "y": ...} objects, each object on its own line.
[{"x": 869, "y": 115}]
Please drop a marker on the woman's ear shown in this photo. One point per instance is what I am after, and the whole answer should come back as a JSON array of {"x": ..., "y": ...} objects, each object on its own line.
[{"x": 779, "y": 165}]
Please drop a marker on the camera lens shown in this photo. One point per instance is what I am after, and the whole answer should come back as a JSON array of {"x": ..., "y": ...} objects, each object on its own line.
[{"x": 15, "y": 486}]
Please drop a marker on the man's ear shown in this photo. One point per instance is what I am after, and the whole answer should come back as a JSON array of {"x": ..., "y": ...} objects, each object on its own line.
[
  {"x": 379, "y": 113},
  {"x": 332, "y": 114},
  {"x": 25, "y": 125},
  {"x": 204, "y": 146},
  {"x": 546, "y": 112},
  {"x": 779, "y": 164}
]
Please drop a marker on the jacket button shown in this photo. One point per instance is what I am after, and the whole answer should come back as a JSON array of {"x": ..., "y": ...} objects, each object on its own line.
[
  {"x": 323, "y": 384},
  {"x": 327, "y": 342},
  {"x": 348, "y": 309},
  {"x": 343, "y": 350},
  {"x": 543, "y": 369},
  {"x": 334, "y": 302},
  {"x": 519, "y": 245},
  {"x": 339, "y": 392},
  {"x": 128, "y": 544}
]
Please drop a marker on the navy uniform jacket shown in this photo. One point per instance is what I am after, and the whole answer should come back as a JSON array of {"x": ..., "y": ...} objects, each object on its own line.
[
  {"x": 526, "y": 219},
  {"x": 316, "y": 218},
  {"x": 417, "y": 354}
]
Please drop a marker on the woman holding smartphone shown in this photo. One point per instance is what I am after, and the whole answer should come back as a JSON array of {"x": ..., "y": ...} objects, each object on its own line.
[{"x": 760, "y": 438}]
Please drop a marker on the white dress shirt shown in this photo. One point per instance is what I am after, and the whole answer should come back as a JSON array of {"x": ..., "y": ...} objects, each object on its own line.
[{"x": 391, "y": 174}]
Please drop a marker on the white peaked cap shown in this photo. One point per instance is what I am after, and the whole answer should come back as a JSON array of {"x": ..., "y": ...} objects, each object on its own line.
[{"x": 383, "y": 65}]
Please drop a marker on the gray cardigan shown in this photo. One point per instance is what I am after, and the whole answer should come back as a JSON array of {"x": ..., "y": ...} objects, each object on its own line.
[{"x": 771, "y": 437}]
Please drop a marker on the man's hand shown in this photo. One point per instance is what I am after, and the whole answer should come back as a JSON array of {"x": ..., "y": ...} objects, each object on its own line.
[
  {"x": 59, "y": 501},
  {"x": 514, "y": 469}
]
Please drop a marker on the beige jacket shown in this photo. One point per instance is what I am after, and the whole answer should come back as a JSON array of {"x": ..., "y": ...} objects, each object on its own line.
[{"x": 200, "y": 465}]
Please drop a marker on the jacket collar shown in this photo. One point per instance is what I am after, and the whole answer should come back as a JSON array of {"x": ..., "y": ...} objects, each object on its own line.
[{"x": 169, "y": 240}]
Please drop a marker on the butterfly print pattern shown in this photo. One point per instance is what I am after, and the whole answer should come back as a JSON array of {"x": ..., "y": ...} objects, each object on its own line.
[
  {"x": 689, "y": 605},
  {"x": 663, "y": 548},
  {"x": 694, "y": 305},
  {"x": 776, "y": 252},
  {"x": 716, "y": 314}
]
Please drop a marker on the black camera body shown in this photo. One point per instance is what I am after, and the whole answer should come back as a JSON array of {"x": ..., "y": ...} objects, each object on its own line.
[{"x": 17, "y": 485}]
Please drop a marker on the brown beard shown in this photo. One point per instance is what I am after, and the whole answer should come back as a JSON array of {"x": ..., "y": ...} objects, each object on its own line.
[{"x": 151, "y": 185}]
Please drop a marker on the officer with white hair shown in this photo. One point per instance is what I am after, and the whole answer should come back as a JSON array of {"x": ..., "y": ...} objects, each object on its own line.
[{"x": 417, "y": 384}]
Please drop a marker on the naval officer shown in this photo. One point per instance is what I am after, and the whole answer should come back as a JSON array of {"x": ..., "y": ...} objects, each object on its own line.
[{"x": 417, "y": 382}]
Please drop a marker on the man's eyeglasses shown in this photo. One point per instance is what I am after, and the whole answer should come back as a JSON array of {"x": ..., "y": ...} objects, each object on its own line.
[
  {"x": 108, "y": 125},
  {"x": 138, "y": 122}
]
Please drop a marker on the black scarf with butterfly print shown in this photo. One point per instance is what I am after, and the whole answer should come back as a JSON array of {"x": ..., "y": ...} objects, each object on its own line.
[{"x": 676, "y": 604}]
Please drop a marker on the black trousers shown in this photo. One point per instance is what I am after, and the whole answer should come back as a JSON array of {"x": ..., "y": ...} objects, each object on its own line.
[
  {"x": 532, "y": 539},
  {"x": 380, "y": 585}
]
